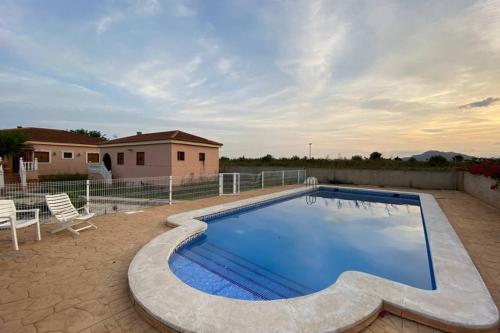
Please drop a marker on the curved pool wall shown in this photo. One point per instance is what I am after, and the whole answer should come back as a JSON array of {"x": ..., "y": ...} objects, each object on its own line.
[
  {"x": 460, "y": 303},
  {"x": 301, "y": 244}
]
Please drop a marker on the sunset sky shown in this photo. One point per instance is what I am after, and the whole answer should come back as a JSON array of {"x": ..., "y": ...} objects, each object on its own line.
[{"x": 261, "y": 77}]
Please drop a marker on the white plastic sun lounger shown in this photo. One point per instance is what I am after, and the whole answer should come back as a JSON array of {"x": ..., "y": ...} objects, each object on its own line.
[
  {"x": 8, "y": 220},
  {"x": 67, "y": 215}
]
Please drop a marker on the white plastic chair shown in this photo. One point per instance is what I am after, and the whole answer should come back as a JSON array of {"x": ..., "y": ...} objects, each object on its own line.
[
  {"x": 8, "y": 220},
  {"x": 67, "y": 215}
]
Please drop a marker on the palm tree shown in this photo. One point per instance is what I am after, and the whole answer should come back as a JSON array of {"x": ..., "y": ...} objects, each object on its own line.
[{"x": 12, "y": 143}]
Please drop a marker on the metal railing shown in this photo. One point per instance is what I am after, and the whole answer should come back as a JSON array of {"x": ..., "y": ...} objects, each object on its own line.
[
  {"x": 104, "y": 196},
  {"x": 100, "y": 170},
  {"x": 30, "y": 166}
]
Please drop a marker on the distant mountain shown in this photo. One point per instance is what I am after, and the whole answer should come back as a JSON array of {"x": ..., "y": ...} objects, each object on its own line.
[{"x": 446, "y": 154}]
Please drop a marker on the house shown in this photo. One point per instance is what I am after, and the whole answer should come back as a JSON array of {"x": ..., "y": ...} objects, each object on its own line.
[
  {"x": 55, "y": 152},
  {"x": 50, "y": 152},
  {"x": 174, "y": 153}
]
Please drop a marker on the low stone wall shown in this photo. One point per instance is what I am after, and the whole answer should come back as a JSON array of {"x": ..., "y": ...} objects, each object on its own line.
[
  {"x": 396, "y": 178},
  {"x": 440, "y": 180},
  {"x": 480, "y": 187}
]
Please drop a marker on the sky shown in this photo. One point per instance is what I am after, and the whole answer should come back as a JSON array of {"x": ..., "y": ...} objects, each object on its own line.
[{"x": 352, "y": 77}]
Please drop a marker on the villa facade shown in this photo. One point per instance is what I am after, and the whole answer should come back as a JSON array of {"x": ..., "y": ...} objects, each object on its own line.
[
  {"x": 173, "y": 153},
  {"x": 51, "y": 152},
  {"x": 57, "y": 152}
]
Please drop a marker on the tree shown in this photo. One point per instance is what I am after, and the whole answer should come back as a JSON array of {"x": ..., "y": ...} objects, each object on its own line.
[
  {"x": 375, "y": 155},
  {"x": 458, "y": 158},
  {"x": 397, "y": 158},
  {"x": 11, "y": 143},
  {"x": 412, "y": 159},
  {"x": 357, "y": 158},
  {"x": 437, "y": 160},
  {"x": 93, "y": 133},
  {"x": 267, "y": 158}
]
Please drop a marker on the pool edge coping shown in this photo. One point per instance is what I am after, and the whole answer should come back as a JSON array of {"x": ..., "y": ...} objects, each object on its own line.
[{"x": 460, "y": 303}]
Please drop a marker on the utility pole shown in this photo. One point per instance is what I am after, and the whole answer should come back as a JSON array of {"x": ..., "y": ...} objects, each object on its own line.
[{"x": 310, "y": 144}]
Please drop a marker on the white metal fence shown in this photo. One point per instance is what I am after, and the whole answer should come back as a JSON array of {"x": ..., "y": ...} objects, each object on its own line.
[{"x": 105, "y": 196}]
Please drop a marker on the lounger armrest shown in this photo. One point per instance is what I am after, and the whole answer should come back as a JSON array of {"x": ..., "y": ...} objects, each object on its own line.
[
  {"x": 12, "y": 221},
  {"x": 86, "y": 209}
]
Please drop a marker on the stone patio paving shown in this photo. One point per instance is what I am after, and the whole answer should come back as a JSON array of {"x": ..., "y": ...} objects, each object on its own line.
[{"x": 79, "y": 284}]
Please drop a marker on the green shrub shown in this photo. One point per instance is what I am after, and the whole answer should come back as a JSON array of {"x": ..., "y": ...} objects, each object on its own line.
[
  {"x": 63, "y": 177},
  {"x": 437, "y": 160}
]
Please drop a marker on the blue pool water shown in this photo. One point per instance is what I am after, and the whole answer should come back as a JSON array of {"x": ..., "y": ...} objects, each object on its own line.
[{"x": 300, "y": 245}]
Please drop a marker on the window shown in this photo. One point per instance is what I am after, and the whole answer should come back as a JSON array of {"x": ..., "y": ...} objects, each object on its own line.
[
  {"x": 201, "y": 157},
  {"x": 92, "y": 157},
  {"x": 67, "y": 155},
  {"x": 180, "y": 156},
  {"x": 139, "y": 158},
  {"x": 120, "y": 158},
  {"x": 42, "y": 156}
]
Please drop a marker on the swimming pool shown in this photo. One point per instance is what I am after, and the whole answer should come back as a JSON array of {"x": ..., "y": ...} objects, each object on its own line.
[
  {"x": 301, "y": 244},
  {"x": 458, "y": 300}
]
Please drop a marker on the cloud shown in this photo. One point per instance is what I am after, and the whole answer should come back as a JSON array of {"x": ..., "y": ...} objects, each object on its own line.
[
  {"x": 182, "y": 10},
  {"x": 149, "y": 7},
  {"x": 313, "y": 39},
  {"x": 480, "y": 104},
  {"x": 432, "y": 130},
  {"x": 197, "y": 83},
  {"x": 103, "y": 24}
]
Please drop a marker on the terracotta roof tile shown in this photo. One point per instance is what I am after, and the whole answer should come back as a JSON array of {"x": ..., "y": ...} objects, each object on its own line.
[
  {"x": 55, "y": 136},
  {"x": 161, "y": 136}
]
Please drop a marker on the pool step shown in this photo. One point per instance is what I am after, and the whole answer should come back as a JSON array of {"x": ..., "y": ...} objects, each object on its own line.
[
  {"x": 282, "y": 280},
  {"x": 265, "y": 285}
]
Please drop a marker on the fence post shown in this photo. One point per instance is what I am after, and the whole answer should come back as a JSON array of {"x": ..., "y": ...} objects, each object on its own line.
[
  {"x": 239, "y": 182},
  {"x": 87, "y": 193},
  {"x": 221, "y": 184},
  {"x": 262, "y": 179},
  {"x": 283, "y": 178},
  {"x": 2, "y": 182},
  {"x": 22, "y": 173},
  {"x": 169, "y": 190},
  {"x": 234, "y": 184}
]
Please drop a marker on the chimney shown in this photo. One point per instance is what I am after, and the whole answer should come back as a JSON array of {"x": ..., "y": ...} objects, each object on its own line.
[{"x": 139, "y": 133}]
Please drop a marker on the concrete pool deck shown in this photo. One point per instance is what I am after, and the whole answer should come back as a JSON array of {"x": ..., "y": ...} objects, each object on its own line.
[{"x": 66, "y": 283}]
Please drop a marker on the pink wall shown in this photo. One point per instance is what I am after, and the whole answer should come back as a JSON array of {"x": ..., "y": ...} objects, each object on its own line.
[
  {"x": 191, "y": 166},
  {"x": 58, "y": 165},
  {"x": 156, "y": 161},
  {"x": 161, "y": 160}
]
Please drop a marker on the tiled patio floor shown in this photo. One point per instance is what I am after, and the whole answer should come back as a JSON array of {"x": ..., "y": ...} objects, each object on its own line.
[{"x": 79, "y": 284}]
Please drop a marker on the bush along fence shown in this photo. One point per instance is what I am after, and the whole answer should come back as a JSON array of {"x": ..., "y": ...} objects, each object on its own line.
[
  {"x": 104, "y": 196},
  {"x": 488, "y": 169}
]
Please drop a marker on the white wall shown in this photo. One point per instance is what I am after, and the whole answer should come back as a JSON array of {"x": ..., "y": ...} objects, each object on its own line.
[{"x": 480, "y": 187}]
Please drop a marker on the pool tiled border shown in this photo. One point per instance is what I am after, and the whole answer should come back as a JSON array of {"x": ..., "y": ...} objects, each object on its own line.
[{"x": 460, "y": 303}]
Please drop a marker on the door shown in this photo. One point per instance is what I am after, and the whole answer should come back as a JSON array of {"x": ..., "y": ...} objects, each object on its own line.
[
  {"x": 15, "y": 163},
  {"x": 107, "y": 161}
]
